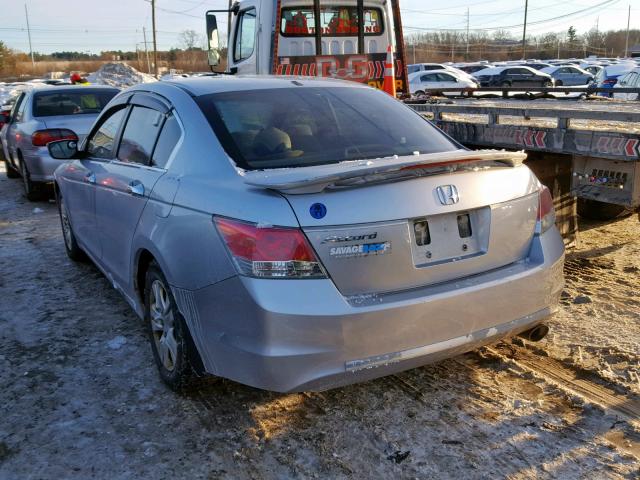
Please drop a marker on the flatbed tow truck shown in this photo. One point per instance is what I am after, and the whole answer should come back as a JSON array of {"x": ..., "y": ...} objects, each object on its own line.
[{"x": 586, "y": 151}]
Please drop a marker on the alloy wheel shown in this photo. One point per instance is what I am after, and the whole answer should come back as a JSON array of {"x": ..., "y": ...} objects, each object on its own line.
[{"x": 163, "y": 325}]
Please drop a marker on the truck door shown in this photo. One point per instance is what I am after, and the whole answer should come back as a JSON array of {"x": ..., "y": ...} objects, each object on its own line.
[{"x": 244, "y": 48}]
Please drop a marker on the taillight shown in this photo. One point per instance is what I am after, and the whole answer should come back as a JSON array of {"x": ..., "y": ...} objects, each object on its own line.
[
  {"x": 40, "y": 138},
  {"x": 269, "y": 252},
  {"x": 546, "y": 213},
  {"x": 610, "y": 81}
]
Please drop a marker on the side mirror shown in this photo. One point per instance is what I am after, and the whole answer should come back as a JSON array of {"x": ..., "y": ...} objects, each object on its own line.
[
  {"x": 213, "y": 40},
  {"x": 63, "y": 149}
]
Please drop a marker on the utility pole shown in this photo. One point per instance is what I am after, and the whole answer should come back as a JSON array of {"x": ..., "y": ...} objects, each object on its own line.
[
  {"x": 466, "y": 55},
  {"x": 524, "y": 30},
  {"x": 155, "y": 46},
  {"x": 146, "y": 50},
  {"x": 626, "y": 43},
  {"x": 26, "y": 14}
]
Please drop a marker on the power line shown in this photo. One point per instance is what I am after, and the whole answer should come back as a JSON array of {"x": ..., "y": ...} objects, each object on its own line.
[{"x": 519, "y": 25}]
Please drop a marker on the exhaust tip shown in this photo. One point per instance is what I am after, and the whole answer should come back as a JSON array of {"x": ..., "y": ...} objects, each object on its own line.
[{"x": 535, "y": 334}]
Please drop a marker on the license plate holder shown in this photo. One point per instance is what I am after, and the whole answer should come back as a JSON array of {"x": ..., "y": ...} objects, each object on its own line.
[{"x": 449, "y": 237}]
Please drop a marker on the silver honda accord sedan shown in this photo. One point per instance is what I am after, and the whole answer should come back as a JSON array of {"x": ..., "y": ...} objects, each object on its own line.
[{"x": 302, "y": 234}]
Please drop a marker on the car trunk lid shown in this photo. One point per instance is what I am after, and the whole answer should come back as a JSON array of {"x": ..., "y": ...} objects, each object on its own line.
[{"x": 388, "y": 235}]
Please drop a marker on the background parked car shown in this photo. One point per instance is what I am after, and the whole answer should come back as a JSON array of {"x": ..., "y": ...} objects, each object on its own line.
[
  {"x": 608, "y": 76},
  {"x": 568, "y": 75},
  {"x": 425, "y": 67},
  {"x": 42, "y": 115},
  {"x": 592, "y": 69},
  {"x": 473, "y": 67},
  {"x": 629, "y": 80},
  {"x": 513, "y": 77},
  {"x": 535, "y": 65},
  {"x": 420, "y": 81}
]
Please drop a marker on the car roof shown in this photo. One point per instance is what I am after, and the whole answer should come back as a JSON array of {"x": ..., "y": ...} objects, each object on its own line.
[
  {"x": 70, "y": 88},
  {"x": 197, "y": 86}
]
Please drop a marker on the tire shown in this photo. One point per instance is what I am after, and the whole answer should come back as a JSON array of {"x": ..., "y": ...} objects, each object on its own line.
[
  {"x": 174, "y": 352},
  {"x": 558, "y": 83},
  {"x": 74, "y": 252},
  {"x": 9, "y": 170},
  {"x": 419, "y": 93},
  {"x": 30, "y": 188},
  {"x": 547, "y": 84},
  {"x": 594, "y": 210}
]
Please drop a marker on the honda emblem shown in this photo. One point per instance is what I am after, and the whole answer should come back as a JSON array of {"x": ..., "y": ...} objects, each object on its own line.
[{"x": 448, "y": 194}]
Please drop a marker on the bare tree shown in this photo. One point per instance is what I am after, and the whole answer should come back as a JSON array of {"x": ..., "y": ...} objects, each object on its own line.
[{"x": 190, "y": 39}]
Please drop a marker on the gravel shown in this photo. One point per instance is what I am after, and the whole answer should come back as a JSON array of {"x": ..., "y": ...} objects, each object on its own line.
[{"x": 81, "y": 397}]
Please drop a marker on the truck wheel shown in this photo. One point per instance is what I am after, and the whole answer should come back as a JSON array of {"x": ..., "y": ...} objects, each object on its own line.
[
  {"x": 594, "y": 210},
  {"x": 173, "y": 349},
  {"x": 11, "y": 173}
]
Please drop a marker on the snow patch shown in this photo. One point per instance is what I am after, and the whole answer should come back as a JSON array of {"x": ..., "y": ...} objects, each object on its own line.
[
  {"x": 117, "y": 342},
  {"x": 119, "y": 74}
]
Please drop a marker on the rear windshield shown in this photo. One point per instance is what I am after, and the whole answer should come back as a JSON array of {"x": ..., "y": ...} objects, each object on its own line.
[
  {"x": 71, "y": 103},
  {"x": 300, "y": 126}
]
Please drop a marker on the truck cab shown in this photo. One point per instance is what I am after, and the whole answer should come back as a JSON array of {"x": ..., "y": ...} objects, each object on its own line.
[{"x": 346, "y": 39}]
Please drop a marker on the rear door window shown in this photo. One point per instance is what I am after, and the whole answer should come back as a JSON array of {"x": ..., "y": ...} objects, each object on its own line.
[
  {"x": 70, "y": 103},
  {"x": 18, "y": 109},
  {"x": 169, "y": 137},
  {"x": 101, "y": 143},
  {"x": 445, "y": 77},
  {"x": 140, "y": 135}
]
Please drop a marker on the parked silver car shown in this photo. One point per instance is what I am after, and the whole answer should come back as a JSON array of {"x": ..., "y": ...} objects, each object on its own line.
[
  {"x": 44, "y": 114},
  {"x": 299, "y": 234},
  {"x": 568, "y": 75}
]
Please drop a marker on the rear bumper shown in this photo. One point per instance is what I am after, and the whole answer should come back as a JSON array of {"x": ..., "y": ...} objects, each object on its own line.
[{"x": 288, "y": 335}]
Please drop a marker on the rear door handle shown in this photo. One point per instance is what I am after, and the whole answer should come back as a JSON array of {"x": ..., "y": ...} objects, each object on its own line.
[
  {"x": 90, "y": 177},
  {"x": 136, "y": 188}
]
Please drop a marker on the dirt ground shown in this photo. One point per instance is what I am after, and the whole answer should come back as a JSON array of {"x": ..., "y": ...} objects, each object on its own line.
[{"x": 80, "y": 397}]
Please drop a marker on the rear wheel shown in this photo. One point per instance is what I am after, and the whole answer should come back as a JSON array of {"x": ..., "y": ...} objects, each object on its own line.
[
  {"x": 11, "y": 173},
  {"x": 30, "y": 189},
  {"x": 74, "y": 252},
  {"x": 548, "y": 84},
  {"x": 173, "y": 349},
  {"x": 595, "y": 210}
]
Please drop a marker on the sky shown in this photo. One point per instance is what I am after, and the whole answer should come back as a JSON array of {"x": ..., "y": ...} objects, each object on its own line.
[{"x": 96, "y": 25}]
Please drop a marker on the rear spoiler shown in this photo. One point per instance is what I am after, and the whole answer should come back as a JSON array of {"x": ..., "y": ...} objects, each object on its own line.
[{"x": 352, "y": 173}]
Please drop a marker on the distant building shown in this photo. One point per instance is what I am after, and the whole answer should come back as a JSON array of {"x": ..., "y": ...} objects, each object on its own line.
[{"x": 635, "y": 50}]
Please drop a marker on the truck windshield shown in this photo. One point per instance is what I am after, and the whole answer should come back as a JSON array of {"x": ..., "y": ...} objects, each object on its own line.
[{"x": 303, "y": 126}]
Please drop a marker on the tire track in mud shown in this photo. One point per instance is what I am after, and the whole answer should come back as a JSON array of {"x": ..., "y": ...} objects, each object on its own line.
[{"x": 570, "y": 379}]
